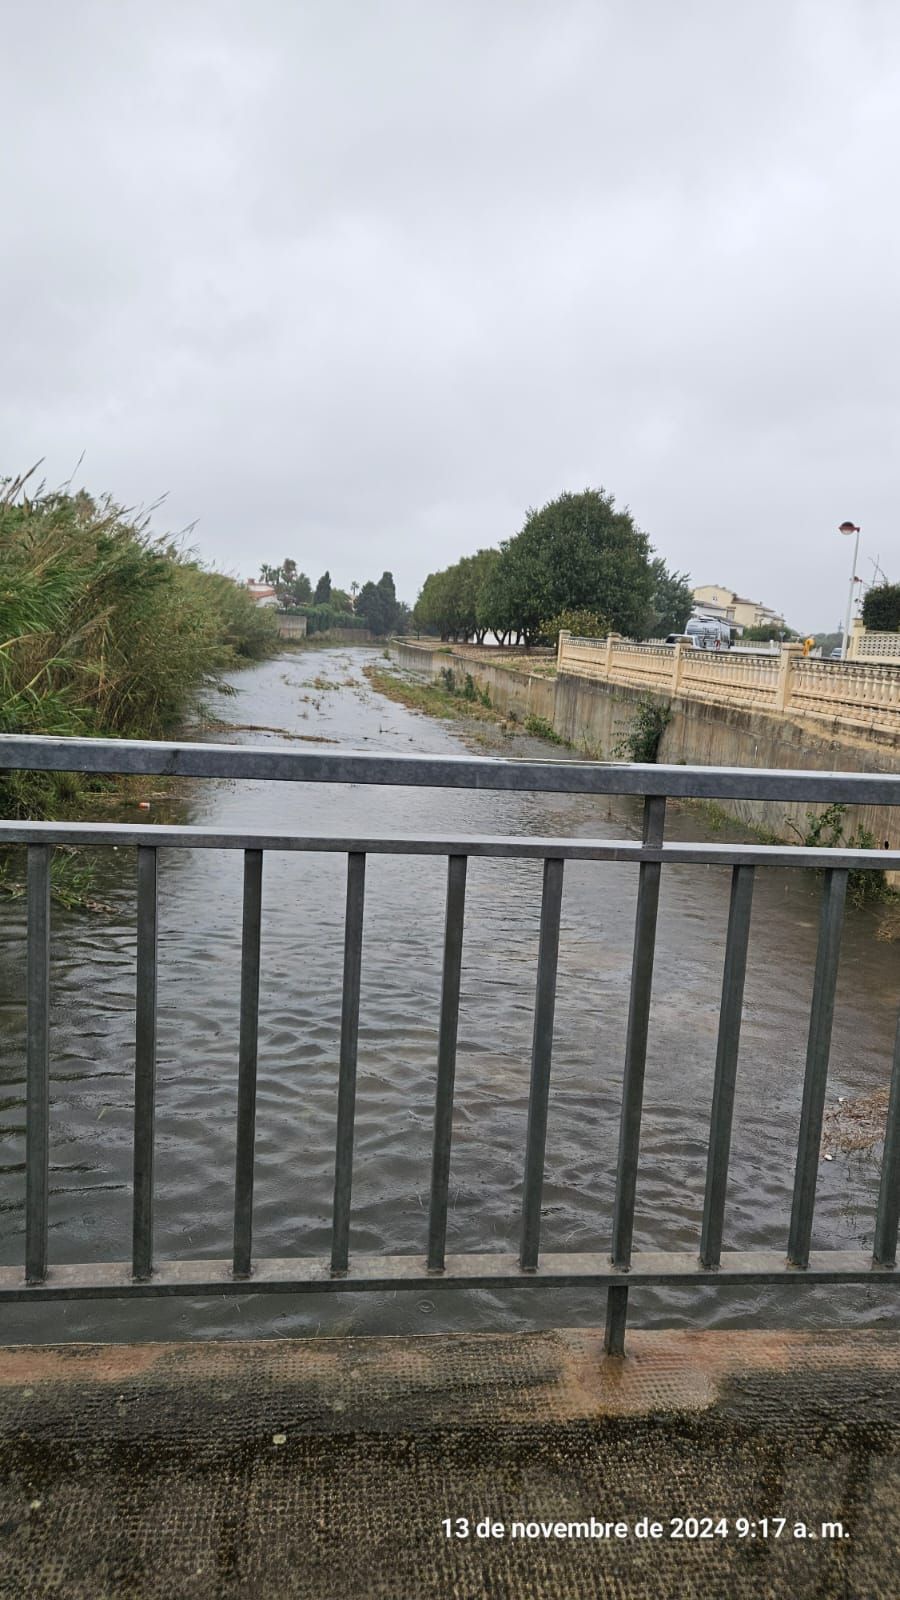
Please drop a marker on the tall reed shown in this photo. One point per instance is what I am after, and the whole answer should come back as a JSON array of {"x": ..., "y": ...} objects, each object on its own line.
[{"x": 106, "y": 629}]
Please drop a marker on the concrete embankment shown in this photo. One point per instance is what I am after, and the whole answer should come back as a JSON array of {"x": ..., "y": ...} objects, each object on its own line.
[{"x": 595, "y": 718}]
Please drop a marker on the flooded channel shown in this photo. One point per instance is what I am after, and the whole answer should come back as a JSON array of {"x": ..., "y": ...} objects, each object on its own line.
[{"x": 323, "y": 695}]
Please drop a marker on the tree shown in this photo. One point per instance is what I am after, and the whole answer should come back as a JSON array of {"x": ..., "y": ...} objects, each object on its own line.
[
  {"x": 577, "y": 553},
  {"x": 474, "y": 573},
  {"x": 497, "y": 607},
  {"x": 322, "y": 595},
  {"x": 389, "y": 601},
  {"x": 293, "y": 588},
  {"x": 881, "y": 608},
  {"x": 583, "y": 624},
  {"x": 377, "y": 605},
  {"x": 441, "y": 606},
  {"x": 671, "y": 602},
  {"x": 450, "y": 600},
  {"x": 340, "y": 600},
  {"x": 370, "y": 608}
]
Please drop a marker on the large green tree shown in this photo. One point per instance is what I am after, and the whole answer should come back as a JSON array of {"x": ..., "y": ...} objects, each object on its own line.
[
  {"x": 378, "y": 606},
  {"x": 450, "y": 600},
  {"x": 577, "y": 552}
]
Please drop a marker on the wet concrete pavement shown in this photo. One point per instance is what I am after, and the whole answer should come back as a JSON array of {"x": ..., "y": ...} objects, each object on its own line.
[{"x": 326, "y": 1468}]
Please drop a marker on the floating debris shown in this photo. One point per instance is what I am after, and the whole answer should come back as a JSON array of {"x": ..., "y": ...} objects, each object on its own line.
[{"x": 854, "y": 1125}]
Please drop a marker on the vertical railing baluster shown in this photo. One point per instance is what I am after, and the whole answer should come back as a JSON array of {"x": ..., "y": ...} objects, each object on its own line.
[
  {"x": 144, "y": 1063},
  {"x": 446, "y": 1063},
  {"x": 37, "y": 1051},
  {"x": 884, "y": 1250},
  {"x": 343, "y": 1164},
  {"x": 541, "y": 1053},
  {"x": 247, "y": 1058},
  {"x": 635, "y": 1064},
  {"x": 734, "y": 974},
  {"x": 817, "y": 1051}
]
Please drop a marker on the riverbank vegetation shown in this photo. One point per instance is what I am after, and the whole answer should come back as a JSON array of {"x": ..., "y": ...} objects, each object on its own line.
[
  {"x": 827, "y": 830},
  {"x": 447, "y": 697},
  {"x": 578, "y": 555},
  {"x": 107, "y": 629}
]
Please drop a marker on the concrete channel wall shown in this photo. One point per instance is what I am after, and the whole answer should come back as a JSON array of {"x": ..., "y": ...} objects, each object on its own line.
[{"x": 594, "y": 717}]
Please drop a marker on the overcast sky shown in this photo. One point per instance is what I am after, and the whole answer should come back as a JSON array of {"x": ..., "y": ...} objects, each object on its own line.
[{"x": 360, "y": 282}]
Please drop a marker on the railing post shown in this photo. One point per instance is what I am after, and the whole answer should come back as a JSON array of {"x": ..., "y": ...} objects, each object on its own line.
[
  {"x": 346, "y": 1108},
  {"x": 783, "y": 688},
  {"x": 446, "y": 1067},
  {"x": 564, "y": 635},
  {"x": 37, "y": 1090},
  {"x": 610, "y": 646},
  {"x": 145, "y": 1063},
  {"x": 817, "y": 1051},
  {"x": 248, "y": 1045},
  {"x": 541, "y": 1052},
  {"x": 633, "y": 1079},
  {"x": 730, "y": 1012},
  {"x": 676, "y": 666},
  {"x": 884, "y": 1250}
]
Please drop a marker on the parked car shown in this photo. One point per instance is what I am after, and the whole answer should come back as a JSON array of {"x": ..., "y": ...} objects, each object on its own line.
[
  {"x": 678, "y": 638},
  {"x": 708, "y": 633},
  {"x": 836, "y": 654}
]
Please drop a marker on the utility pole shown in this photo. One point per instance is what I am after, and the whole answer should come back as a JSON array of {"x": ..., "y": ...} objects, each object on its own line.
[{"x": 847, "y": 528}]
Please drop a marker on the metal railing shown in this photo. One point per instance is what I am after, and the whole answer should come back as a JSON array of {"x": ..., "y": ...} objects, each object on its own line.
[{"x": 144, "y": 1274}]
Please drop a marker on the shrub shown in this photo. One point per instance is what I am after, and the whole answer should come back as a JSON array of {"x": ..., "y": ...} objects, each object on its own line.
[
  {"x": 826, "y": 831},
  {"x": 584, "y": 624},
  {"x": 322, "y": 618},
  {"x": 642, "y": 740},
  {"x": 881, "y": 608}
]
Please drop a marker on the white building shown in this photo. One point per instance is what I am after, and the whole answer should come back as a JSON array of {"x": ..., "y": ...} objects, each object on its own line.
[{"x": 718, "y": 601}]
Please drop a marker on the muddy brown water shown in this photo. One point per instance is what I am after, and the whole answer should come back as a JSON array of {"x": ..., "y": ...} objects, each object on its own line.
[{"x": 200, "y": 902}]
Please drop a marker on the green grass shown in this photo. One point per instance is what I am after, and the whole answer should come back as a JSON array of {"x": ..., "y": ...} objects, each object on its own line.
[{"x": 435, "y": 699}]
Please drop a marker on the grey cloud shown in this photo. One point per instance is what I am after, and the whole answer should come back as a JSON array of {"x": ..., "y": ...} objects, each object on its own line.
[{"x": 360, "y": 282}]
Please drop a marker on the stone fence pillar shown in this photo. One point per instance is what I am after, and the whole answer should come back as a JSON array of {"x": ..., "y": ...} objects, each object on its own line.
[
  {"x": 564, "y": 635},
  {"x": 676, "y": 666},
  {"x": 857, "y": 634},
  {"x": 789, "y": 654},
  {"x": 610, "y": 645}
]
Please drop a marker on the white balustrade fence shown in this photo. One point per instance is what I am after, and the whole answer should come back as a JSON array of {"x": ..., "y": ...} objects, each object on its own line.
[{"x": 855, "y": 693}]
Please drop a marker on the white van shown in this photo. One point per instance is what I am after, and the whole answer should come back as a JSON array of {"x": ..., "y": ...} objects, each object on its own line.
[{"x": 708, "y": 633}]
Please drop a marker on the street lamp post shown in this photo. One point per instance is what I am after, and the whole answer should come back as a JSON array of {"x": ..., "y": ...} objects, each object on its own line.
[{"x": 848, "y": 528}]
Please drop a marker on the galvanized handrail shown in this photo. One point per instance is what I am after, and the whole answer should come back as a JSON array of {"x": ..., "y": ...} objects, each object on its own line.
[{"x": 244, "y": 1272}]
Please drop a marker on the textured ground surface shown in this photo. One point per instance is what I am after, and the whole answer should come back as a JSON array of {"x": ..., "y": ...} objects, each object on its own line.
[{"x": 325, "y": 1468}]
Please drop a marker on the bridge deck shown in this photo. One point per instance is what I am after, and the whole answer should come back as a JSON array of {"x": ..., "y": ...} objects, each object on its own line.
[{"x": 324, "y": 1468}]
